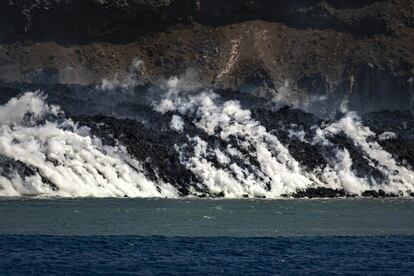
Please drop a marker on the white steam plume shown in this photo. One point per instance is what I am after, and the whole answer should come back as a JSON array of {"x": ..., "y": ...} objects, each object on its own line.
[
  {"x": 77, "y": 164},
  {"x": 278, "y": 172},
  {"x": 400, "y": 179},
  {"x": 278, "y": 169},
  {"x": 127, "y": 80}
]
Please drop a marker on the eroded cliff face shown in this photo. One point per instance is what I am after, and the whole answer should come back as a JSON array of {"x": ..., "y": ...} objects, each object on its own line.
[
  {"x": 107, "y": 117},
  {"x": 296, "y": 48}
]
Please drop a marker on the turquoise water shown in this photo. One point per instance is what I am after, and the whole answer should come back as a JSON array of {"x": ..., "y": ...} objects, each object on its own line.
[
  {"x": 206, "y": 218},
  {"x": 207, "y": 237}
]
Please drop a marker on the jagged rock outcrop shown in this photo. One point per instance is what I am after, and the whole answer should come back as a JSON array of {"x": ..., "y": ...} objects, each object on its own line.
[{"x": 362, "y": 48}]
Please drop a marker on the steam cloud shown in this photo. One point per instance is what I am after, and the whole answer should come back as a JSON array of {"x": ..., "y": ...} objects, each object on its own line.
[
  {"x": 76, "y": 163},
  {"x": 232, "y": 154}
]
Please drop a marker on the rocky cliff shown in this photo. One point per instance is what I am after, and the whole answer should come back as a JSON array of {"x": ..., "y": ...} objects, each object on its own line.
[
  {"x": 107, "y": 122},
  {"x": 273, "y": 48}
]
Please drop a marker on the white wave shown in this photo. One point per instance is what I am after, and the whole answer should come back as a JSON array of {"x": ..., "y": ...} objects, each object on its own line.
[{"x": 77, "y": 165}]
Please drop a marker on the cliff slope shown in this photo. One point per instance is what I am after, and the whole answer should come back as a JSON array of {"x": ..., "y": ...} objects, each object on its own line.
[{"x": 305, "y": 47}]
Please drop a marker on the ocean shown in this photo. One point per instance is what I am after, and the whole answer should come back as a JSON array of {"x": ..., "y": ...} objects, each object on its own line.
[{"x": 207, "y": 237}]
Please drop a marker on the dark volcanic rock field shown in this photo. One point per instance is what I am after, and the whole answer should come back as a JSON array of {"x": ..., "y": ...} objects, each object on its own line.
[
  {"x": 128, "y": 118},
  {"x": 297, "y": 66}
]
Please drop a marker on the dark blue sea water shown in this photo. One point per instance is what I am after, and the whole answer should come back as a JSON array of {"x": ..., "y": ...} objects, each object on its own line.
[
  {"x": 206, "y": 237},
  {"x": 41, "y": 255}
]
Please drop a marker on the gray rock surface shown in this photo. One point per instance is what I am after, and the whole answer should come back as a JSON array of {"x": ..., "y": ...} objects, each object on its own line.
[{"x": 362, "y": 48}]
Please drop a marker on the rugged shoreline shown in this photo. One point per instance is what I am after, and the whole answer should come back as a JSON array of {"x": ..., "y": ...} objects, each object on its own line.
[
  {"x": 290, "y": 71},
  {"x": 127, "y": 118}
]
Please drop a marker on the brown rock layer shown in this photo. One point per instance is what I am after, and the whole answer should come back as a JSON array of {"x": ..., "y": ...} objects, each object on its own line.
[{"x": 301, "y": 46}]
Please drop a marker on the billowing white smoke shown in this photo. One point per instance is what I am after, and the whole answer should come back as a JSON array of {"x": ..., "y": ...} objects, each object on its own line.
[
  {"x": 277, "y": 169},
  {"x": 400, "y": 179},
  {"x": 339, "y": 173},
  {"x": 177, "y": 123},
  {"x": 277, "y": 172},
  {"x": 124, "y": 80},
  {"x": 248, "y": 160},
  {"x": 29, "y": 105},
  {"x": 76, "y": 164}
]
